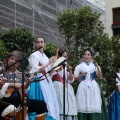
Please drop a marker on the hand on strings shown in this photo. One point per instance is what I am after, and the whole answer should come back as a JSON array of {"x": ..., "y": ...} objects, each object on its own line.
[
  {"x": 15, "y": 85},
  {"x": 28, "y": 80}
]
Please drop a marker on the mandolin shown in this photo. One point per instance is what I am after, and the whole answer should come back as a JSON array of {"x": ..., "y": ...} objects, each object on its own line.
[
  {"x": 12, "y": 78},
  {"x": 9, "y": 92},
  {"x": 29, "y": 80}
]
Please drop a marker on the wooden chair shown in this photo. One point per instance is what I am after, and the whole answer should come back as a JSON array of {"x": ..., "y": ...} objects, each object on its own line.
[{"x": 19, "y": 114}]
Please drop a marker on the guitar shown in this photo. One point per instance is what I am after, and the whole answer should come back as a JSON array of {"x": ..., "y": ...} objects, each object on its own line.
[
  {"x": 9, "y": 92},
  {"x": 14, "y": 86},
  {"x": 29, "y": 80}
]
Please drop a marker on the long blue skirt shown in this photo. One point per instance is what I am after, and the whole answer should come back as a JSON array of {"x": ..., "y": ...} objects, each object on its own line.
[
  {"x": 35, "y": 92},
  {"x": 114, "y": 106}
]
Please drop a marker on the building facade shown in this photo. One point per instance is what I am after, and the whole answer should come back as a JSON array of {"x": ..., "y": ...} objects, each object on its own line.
[
  {"x": 113, "y": 17},
  {"x": 39, "y": 16}
]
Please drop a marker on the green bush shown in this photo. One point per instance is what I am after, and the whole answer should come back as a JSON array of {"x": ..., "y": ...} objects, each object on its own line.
[
  {"x": 50, "y": 49},
  {"x": 17, "y": 39},
  {"x": 3, "y": 50}
]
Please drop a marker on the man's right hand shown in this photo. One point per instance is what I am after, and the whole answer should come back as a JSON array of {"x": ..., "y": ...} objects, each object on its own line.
[
  {"x": 2, "y": 81},
  {"x": 15, "y": 85}
]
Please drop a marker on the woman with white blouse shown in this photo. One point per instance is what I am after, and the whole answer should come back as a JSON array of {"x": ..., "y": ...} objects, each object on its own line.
[
  {"x": 58, "y": 80},
  {"x": 88, "y": 95},
  {"x": 43, "y": 90}
]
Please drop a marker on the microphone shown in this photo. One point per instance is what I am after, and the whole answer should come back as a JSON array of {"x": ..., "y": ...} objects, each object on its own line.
[{"x": 38, "y": 48}]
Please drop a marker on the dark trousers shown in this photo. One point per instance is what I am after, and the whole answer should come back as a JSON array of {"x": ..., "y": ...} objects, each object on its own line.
[{"x": 37, "y": 106}]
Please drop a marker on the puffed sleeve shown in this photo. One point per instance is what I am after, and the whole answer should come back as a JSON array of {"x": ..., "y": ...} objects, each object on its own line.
[
  {"x": 76, "y": 71},
  {"x": 117, "y": 80},
  {"x": 33, "y": 64}
]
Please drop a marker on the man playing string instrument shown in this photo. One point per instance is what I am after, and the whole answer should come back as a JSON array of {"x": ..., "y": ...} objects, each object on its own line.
[{"x": 13, "y": 82}]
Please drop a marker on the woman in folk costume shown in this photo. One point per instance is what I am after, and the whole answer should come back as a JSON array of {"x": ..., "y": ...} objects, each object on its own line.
[
  {"x": 70, "y": 101},
  {"x": 43, "y": 90},
  {"x": 90, "y": 102},
  {"x": 114, "y": 105}
]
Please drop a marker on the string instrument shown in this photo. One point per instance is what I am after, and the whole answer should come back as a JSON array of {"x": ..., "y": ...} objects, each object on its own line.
[
  {"x": 28, "y": 80},
  {"x": 8, "y": 93},
  {"x": 12, "y": 78},
  {"x": 56, "y": 65}
]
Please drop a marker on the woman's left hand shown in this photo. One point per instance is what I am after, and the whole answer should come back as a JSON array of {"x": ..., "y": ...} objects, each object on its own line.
[
  {"x": 95, "y": 63},
  {"x": 28, "y": 80},
  {"x": 2, "y": 81}
]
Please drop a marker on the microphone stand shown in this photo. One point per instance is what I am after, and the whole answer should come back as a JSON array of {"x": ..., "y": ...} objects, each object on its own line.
[
  {"x": 63, "y": 90},
  {"x": 22, "y": 62},
  {"x": 23, "y": 92},
  {"x": 63, "y": 64},
  {"x": 39, "y": 78},
  {"x": 115, "y": 82},
  {"x": 9, "y": 66},
  {"x": 101, "y": 51}
]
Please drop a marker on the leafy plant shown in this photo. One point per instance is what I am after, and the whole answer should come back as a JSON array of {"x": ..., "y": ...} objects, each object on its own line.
[
  {"x": 82, "y": 29},
  {"x": 50, "y": 49},
  {"x": 18, "y": 39},
  {"x": 3, "y": 51}
]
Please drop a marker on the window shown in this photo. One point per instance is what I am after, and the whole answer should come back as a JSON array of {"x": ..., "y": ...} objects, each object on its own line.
[{"x": 116, "y": 21}]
